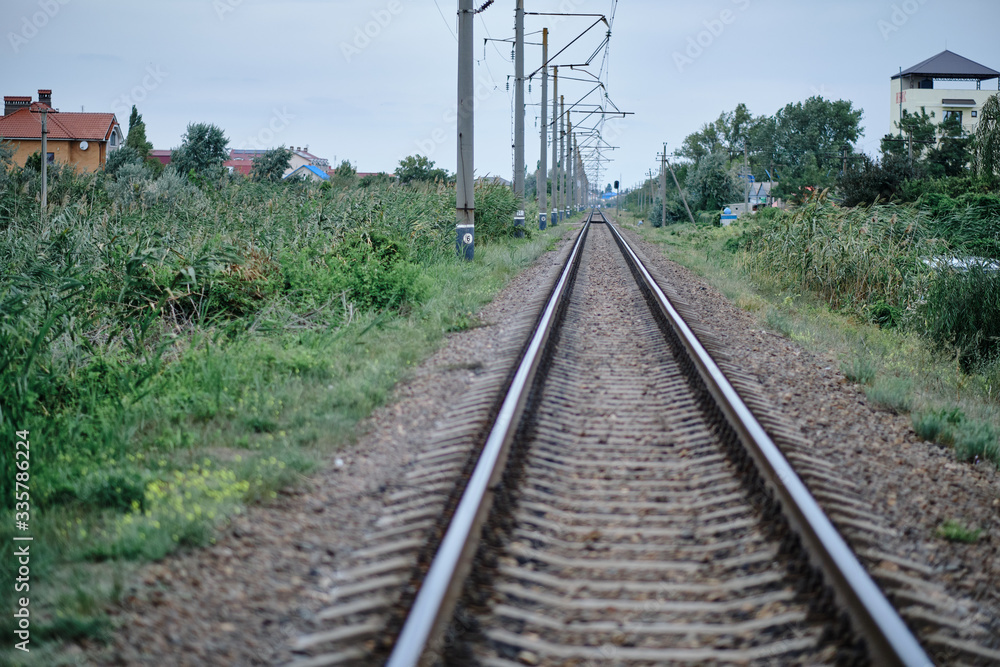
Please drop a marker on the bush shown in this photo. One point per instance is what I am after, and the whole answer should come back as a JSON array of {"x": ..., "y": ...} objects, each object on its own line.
[
  {"x": 852, "y": 258},
  {"x": 870, "y": 182},
  {"x": 377, "y": 274},
  {"x": 961, "y": 313},
  {"x": 126, "y": 155}
]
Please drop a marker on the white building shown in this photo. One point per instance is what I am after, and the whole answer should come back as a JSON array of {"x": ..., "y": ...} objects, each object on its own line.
[{"x": 925, "y": 85}]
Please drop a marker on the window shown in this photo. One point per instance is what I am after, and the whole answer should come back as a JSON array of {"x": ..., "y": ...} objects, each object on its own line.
[
  {"x": 974, "y": 113},
  {"x": 50, "y": 158},
  {"x": 951, "y": 113}
]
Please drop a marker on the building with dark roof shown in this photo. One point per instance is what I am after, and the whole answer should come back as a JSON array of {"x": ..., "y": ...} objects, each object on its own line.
[
  {"x": 925, "y": 85},
  {"x": 81, "y": 139}
]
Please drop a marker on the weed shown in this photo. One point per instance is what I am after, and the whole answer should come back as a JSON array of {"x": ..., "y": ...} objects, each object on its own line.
[
  {"x": 859, "y": 369},
  {"x": 892, "y": 393},
  {"x": 780, "y": 322},
  {"x": 954, "y": 531},
  {"x": 972, "y": 440}
]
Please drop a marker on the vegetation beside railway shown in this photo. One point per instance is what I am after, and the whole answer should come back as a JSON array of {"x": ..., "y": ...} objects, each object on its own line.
[
  {"x": 853, "y": 283},
  {"x": 181, "y": 345},
  {"x": 890, "y": 262}
]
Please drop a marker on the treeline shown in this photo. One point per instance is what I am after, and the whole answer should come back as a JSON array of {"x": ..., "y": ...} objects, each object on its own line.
[{"x": 808, "y": 147}]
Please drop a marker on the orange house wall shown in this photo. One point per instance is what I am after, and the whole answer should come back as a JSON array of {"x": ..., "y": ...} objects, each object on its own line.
[{"x": 66, "y": 152}]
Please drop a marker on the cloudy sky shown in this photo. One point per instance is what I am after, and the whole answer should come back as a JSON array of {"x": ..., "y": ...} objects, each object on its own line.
[{"x": 372, "y": 81}]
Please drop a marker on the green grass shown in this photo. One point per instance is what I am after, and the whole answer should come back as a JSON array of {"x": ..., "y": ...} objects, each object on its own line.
[
  {"x": 859, "y": 369},
  {"x": 892, "y": 393},
  {"x": 175, "y": 364}
]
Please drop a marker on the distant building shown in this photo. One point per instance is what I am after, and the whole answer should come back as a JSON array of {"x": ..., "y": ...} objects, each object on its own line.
[
  {"x": 922, "y": 86},
  {"x": 161, "y": 155},
  {"x": 80, "y": 139},
  {"x": 241, "y": 160},
  {"x": 302, "y": 157},
  {"x": 310, "y": 172}
]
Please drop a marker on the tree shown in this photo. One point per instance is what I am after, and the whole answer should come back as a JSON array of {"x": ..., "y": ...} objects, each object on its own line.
[
  {"x": 204, "y": 147},
  {"x": 867, "y": 181},
  {"x": 271, "y": 166},
  {"x": 136, "y": 138},
  {"x": 919, "y": 129},
  {"x": 701, "y": 143},
  {"x": 734, "y": 127},
  {"x": 119, "y": 158},
  {"x": 710, "y": 184},
  {"x": 816, "y": 127},
  {"x": 950, "y": 157},
  {"x": 986, "y": 158},
  {"x": 415, "y": 168}
]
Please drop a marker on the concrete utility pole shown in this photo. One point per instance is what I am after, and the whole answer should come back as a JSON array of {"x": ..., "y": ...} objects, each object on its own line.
[
  {"x": 555, "y": 146},
  {"x": 542, "y": 179},
  {"x": 663, "y": 185},
  {"x": 464, "y": 184},
  {"x": 570, "y": 168},
  {"x": 519, "y": 117},
  {"x": 577, "y": 173},
  {"x": 45, "y": 165},
  {"x": 562, "y": 157}
]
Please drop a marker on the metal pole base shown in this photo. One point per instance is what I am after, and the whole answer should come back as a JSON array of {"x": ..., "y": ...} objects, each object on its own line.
[
  {"x": 519, "y": 225},
  {"x": 465, "y": 241},
  {"x": 555, "y": 217},
  {"x": 541, "y": 222}
]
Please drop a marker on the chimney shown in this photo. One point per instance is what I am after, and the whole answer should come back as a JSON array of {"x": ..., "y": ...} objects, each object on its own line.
[
  {"x": 12, "y": 103},
  {"x": 45, "y": 96}
]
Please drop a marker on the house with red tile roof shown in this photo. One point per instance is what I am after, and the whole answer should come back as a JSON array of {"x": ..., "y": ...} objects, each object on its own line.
[{"x": 81, "y": 139}]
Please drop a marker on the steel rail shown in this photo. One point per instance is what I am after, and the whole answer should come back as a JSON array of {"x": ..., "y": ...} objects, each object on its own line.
[
  {"x": 889, "y": 641},
  {"x": 441, "y": 585}
]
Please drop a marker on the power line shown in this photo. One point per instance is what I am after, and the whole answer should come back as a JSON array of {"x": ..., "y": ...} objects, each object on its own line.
[{"x": 445, "y": 20}]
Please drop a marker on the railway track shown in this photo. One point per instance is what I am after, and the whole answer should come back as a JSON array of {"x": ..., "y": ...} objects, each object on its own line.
[{"x": 626, "y": 508}]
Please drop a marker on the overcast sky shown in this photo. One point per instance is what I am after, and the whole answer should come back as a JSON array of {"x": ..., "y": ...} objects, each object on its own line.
[{"x": 373, "y": 81}]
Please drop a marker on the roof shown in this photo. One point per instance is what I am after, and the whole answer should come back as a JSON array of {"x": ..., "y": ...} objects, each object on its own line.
[
  {"x": 161, "y": 155},
  {"x": 75, "y": 126},
  {"x": 246, "y": 153},
  {"x": 948, "y": 65},
  {"x": 312, "y": 168}
]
